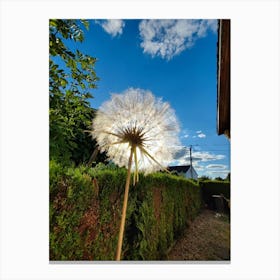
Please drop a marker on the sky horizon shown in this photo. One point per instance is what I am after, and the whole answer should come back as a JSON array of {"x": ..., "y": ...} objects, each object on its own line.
[{"x": 176, "y": 60}]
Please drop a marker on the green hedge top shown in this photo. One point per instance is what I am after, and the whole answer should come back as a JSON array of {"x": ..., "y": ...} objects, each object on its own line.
[
  {"x": 209, "y": 188},
  {"x": 85, "y": 211}
]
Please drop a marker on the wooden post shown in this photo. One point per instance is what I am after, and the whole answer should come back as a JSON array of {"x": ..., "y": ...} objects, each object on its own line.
[{"x": 120, "y": 241}]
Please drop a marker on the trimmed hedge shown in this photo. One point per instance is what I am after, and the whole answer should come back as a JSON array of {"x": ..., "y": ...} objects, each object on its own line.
[
  {"x": 85, "y": 213},
  {"x": 164, "y": 205},
  {"x": 209, "y": 188}
]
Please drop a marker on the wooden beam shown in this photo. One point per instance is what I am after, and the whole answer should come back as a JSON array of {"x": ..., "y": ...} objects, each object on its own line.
[{"x": 223, "y": 83}]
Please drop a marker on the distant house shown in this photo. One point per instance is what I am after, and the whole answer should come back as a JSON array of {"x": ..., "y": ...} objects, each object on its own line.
[{"x": 185, "y": 170}]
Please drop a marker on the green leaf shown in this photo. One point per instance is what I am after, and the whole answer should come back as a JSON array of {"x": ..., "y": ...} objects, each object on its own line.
[
  {"x": 85, "y": 23},
  {"x": 69, "y": 88},
  {"x": 63, "y": 82}
]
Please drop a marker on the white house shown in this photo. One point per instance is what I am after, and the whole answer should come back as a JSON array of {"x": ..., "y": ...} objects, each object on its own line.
[{"x": 185, "y": 170}]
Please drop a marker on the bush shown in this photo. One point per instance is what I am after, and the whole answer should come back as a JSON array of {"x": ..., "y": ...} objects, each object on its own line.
[
  {"x": 209, "y": 188},
  {"x": 164, "y": 205},
  {"x": 85, "y": 213}
]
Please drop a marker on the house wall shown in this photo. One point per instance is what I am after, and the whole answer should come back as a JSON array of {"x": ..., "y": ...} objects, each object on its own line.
[{"x": 191, "y": 174}]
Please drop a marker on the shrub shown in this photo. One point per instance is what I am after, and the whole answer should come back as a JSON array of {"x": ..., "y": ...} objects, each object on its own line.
[
  {"x": 209, "y": 188},
  {"x": 85, "y": 212},
  {"x": 165, "y": 204}
]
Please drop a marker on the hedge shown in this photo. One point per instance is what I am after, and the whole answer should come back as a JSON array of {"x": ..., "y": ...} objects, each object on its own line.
[
  {"x": 85, "y": 212},
  {"x": 209, "y": 188}
]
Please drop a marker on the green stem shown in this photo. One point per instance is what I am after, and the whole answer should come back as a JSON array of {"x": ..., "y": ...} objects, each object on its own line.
[
  {"x": 136, "y": 165},
  {"x": 120, "y": 240}
]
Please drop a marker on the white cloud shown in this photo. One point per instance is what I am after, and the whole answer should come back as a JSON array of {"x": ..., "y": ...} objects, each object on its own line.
[
  {"x": 168, "y": 38},
  {"x": 222, "y": 173},
  {"x": 225, "y": 172},
  {"x": 112, "y": 26},
  {"x": 216, "y": 166},
  {"x": 198, "y": 167},
  {"x": 206, "y": 156},
  {"x": 183, "y": 156},
  {"x": 217, "y": 170},
  {"x": 185, "y": 136},
  {"x": 201, "y": 135}
]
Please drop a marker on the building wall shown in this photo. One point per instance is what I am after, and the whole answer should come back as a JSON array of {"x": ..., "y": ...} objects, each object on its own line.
[{"x": 191, "y": 174}]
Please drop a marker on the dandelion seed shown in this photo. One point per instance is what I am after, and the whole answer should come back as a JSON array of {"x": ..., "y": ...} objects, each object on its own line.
[
  {"x": 136, "y": 118},
  {"x": 137, "y": 131}
]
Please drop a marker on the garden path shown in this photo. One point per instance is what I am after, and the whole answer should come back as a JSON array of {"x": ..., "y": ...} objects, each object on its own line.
[{"x": 206, "y": 238}]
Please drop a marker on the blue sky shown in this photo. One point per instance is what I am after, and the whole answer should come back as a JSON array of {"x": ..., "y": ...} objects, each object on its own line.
[{"x": 175, "y": 60}]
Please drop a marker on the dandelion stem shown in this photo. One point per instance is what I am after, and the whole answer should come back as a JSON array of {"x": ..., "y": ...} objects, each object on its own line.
[
  {"x": 136, "y": 166},
  {"x": 135, "y": 171},
  {"x": 120, "y": 240}
]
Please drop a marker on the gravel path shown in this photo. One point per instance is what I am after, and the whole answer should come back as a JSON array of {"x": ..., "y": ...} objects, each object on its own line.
[{"x": 207, "y": 238}]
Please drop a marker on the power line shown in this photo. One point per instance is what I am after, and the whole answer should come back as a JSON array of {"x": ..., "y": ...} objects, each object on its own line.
[
  {"x": 192, "y": 147},
  {"x": 215, "y": 150},
  {"x": 212, "y": 145}
]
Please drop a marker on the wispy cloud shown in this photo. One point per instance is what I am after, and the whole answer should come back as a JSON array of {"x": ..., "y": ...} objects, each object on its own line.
[
  {"x": 181, "y": 152},
  {"x": 183, "y": 156},
  {"x": 206, "y": 156},
  {"x": 198, "y": 167},
  {"x": 201, "y": 135},
  {"x": 224, "y": 172},
  {"x": 218, "y": 173},
  {"x": 185, "y": 136},
  {"x": 112, "y": 26},
  {"x": 217, "y": 170},
  {"x": 216, "y": 166},
  {"x": 168, "y": 38}
]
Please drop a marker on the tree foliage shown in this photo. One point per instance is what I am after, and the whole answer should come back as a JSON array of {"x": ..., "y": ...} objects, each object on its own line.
[
  {"x": 71, "y": 79},
  {"x": 204, "y": 178},
  {"x": 219, "y": 178},
  {"x": 228, "y": 177}
]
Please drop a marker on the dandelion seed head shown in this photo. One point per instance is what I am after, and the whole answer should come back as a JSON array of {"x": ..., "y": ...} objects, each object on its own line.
[{"x": 137, "y": 119}]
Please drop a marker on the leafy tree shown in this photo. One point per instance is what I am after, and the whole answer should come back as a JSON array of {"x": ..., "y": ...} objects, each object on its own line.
[
  {"x": 204, "y": 178},
  {"x": 219, "y": 179},
  {"x": 228, "y": 177},
  {"x": 71, "y": 80}
]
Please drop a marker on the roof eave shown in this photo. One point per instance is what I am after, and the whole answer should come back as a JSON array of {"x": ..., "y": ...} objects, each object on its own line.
[{"x": 223, "y": 78}]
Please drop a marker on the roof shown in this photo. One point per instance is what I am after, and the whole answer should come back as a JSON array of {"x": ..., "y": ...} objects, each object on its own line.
[
  {"x": 223, "y": 78},
  {"x": 182, "y": 168}
]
